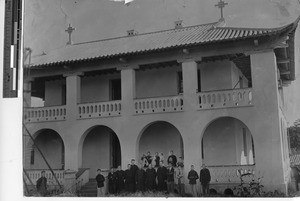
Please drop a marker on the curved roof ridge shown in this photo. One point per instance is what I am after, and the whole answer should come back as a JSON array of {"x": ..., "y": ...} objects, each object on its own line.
[
  {"x": 142, "y": 34},
  {"x": 264, "y": 29}
]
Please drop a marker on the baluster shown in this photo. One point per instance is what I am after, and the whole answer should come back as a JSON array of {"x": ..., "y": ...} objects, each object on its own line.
[
  {"x": 147, "y": 104},
  {"x": 100, "y": 108},
  {"x": 116, "y": 107},
  {"x": 164, "y": 103},
  {"x": 151, "y": 104},
  {"x": 172, "y": 103},
  {"x": 57, "y": 112},
  {"x": 96, "y": 108},
  {"x": 87, "y": 109},
  {"x": 204, "y": 99},
  {"x": 136, "y": 105},
  {"x": 213, "y": 98},
  {"x": 83, "y": 109},
  {"x": 103, "y": 108},
  {"x": 92, "y": 109},
  {"x": 140, "y": 105},
  {"x": 144, "y": 105},
  {"x": 39, "y": 114},
  {"x": 120, "y": 106},
  {"x": 176, "y": 103},
  {"x": 50, "y": 113},
  {"x": 159, "y": 104},
  {"x": 155, "y": 103}
]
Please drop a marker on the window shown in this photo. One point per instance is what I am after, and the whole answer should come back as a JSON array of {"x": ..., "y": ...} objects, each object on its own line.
[
  {"x": 199, "y": 80},
  {"x": 180, "y": 82},
  {"x": 115, "y": 89},
  {"x": 245, "y": 141},
  {"x": 32, "y": 157}
]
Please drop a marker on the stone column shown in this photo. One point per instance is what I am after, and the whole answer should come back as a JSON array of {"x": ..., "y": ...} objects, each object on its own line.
[
  {"x": 73, "y": 95},
  {"x": 128, "y": 145},
  {"x": 128, "y": 90},
  {"x": 27, "y": 92},
  {"x": 190, "y": 85},
  {"x": 265, "y": 127}
]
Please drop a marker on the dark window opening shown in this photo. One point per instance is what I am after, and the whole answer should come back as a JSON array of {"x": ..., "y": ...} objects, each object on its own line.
[
  {"x": 202, "y": 149},
  {"x": 32, "y": 157},
  {"x": 115, "y": 89},
  {"x": 180, "y": 82},
  {"x": 199, "y": 80}
]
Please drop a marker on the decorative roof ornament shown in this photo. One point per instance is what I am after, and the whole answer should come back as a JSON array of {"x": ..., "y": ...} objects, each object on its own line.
[
  {"x": 221, "y": 4},
  {"x": 69, "y": 30}
]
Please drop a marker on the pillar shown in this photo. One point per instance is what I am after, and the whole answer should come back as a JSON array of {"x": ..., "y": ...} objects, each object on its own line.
[
  {"x": 265, "y": 127},
  {"x": 190, "y": 85},
  {"x": 73, "y": 95},
  {"x": 127, "y": 139},
  {"x": 128, "y": 90}
]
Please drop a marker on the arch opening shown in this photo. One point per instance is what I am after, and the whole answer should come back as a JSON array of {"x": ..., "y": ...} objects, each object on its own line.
[
  {"x": 52, "y": 146},
  {"x": 227, "y": 141},
  {"x": 100, "y": 149},
  {"x": 160, "y": 137}
]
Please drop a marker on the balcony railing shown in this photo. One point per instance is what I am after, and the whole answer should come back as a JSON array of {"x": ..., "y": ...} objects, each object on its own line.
[
  {"x": 40, "y": 114},
  {"x": 158, "y": 105},
  {"x": 230, "y": 174},
  {"x": 34, "y": 175},
  {"x": 225, "y": 98},
  {"x": 100, "y": 109}
]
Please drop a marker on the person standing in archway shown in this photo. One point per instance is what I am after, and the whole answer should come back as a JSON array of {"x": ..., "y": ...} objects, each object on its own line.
[
  {"x": 120, "y": 179},
  {"x": 170, "y": 178},
  {"x": 193, "y": 176},
  {"x": 41, "y": 184},
  {"x": 150, "y": 178},
  {"x": 129, "y": 180},
  {"x": 172, "y": 159},
  {"x": 205, "y": 179},
  {"x": 140, "y": 179},
  {"x": 157, "y": 160},
  {"x": 100, "y": 183},
  {"x": 133, "y": 170},
  {"x": 161, "y": 177},
  {"x": 179, "y": 180},
  {"x": 112, "y": 181}
]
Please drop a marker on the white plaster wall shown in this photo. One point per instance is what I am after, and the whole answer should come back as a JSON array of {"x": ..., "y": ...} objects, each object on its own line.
[
  {"x": 215, "y": 76},
  {"x": 96, "y": 150},
  {"x": 96, "y": 88},
  {"x": 157, "y": 82},
  {"x": 53, "y": 93},
  {"x": 160, "y": 137}
]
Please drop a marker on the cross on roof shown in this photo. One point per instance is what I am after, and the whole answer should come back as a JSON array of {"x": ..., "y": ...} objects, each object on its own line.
[
  {"x": 69, "y": 30},
  {"x": 221, "y": 4}
]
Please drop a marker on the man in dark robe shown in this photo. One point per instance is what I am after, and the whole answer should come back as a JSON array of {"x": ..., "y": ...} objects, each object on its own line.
[
  {"x": 120, "y": 180},
  {"x": 140, "y": 178},
  {"x": 100, "y": 183},
  {"x": 150, "y": 178},
  {"x": 129, "y": 180},
  {"x": 157, "y": 160},
  {"x": 205, "y": 179},
  {"x": 149, "y": 158},
  {"x": 170, "y": 178},
  {"x": 41, "y": 184},
  {"x": 112, "y": 181},
  {"x": 161, "y": 177},
  {"x": 172, "y": 159},
  {"x": 133, "y": 170}
]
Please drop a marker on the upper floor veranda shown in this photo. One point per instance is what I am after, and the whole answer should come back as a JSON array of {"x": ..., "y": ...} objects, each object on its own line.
[{"x": 223, "y": 73}]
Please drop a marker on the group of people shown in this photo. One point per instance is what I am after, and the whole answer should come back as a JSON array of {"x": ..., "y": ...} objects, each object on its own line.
[{"x": 152, "y": 175}]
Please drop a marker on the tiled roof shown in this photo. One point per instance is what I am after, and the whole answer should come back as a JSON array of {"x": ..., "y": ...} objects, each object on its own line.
[{"x": 148, "y": 42}]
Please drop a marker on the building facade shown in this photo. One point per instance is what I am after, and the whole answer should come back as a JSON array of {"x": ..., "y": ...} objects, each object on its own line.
[{"x": 210, "y": 93}]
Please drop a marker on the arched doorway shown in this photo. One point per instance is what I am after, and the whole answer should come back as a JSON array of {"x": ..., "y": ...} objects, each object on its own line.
[
  {"x": 52, "y": 147},
  {"x": 160, "y": 137},
  {"x": 227, "y": 141},
  {"x": 100, "y": 149}
]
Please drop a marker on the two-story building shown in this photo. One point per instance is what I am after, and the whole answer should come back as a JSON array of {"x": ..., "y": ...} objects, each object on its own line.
[{"x": 212, "y": 94}]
